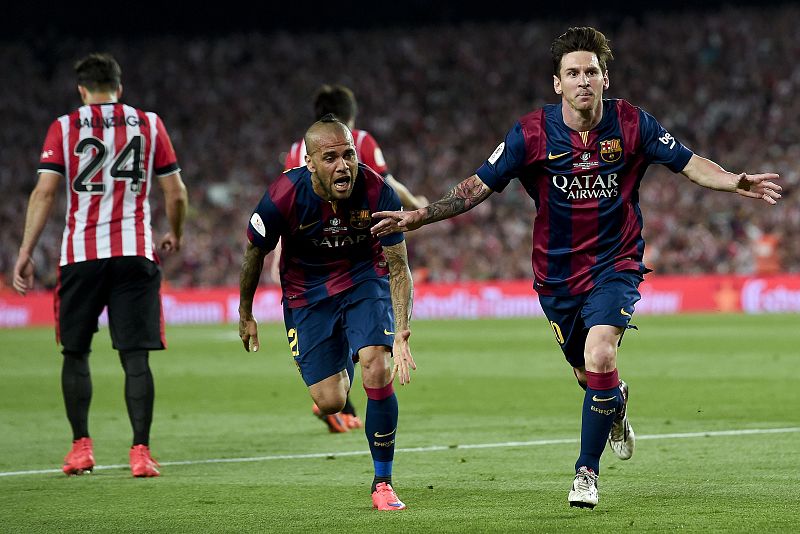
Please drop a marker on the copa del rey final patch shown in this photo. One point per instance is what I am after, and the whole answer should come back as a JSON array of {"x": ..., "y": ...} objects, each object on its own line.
[
  {"x": 258, "y": 224},
  {"x": 497, "y": 153}
]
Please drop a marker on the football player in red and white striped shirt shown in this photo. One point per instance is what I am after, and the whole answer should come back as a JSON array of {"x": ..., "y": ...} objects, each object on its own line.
[
  {"x": 341, "y": 102},
  {"x": 107, "y": 153}
]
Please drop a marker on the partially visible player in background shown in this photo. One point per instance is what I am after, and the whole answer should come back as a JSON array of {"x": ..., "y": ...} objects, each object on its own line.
[
  {"x": 339, "y": 101},
  {"x": 107, "y": 153},
  {"x": 345, "y": 292},
  {"x": 582, "y": 161}
]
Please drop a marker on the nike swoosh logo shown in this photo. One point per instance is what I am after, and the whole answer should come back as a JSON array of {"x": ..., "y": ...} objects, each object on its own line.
[
  {"x": 597, "y": 399},
  {"x": 385, "y": 435},
  {"x": 556, "y": 156},
  {"x": 304, "y": 226},
  {"x": 623, "y": 312},
  {"x": 386, "y": 332}
]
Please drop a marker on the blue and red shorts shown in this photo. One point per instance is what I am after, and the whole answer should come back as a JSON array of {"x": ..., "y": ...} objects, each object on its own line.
[
  {"x": 325, "y": 336},
  {"x": 610, "y": 302}
]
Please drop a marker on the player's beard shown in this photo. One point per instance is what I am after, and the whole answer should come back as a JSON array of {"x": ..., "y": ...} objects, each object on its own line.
[{"x": 328, "y": 187}]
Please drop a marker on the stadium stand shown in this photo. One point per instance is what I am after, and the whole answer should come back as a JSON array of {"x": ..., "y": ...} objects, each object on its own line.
[{"x": 439, "y": 100}]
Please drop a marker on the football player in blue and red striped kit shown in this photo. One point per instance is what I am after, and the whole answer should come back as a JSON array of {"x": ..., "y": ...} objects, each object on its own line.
[
  {"x": 341, "y": 102},
  {"x": 582, "y": 161},
  {"x": 345, "y": 292}
]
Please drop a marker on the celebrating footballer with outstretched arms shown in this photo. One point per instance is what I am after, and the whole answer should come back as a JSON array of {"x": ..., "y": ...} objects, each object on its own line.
[
  {"x": 582, "y": 161},
  {"x": 472, "y": 191}
]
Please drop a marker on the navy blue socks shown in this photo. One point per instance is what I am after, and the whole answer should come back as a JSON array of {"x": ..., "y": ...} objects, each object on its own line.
[
  {"x": 380, "y": 426},
  {"x": 601, "y": 402}
]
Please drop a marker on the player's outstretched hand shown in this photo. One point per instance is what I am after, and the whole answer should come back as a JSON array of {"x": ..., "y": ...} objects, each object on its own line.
[
  {"x": 170, "y": 243},
  {"x": 759, "y": 186},
  {"x": 248, "y": 332},
  {"x": 23, "y": 274},
  {"x": 396, "y": 221},
  {"x": 403, "y": 360}
]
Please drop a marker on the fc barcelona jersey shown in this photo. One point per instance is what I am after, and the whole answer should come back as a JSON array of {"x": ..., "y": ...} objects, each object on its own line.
[
  {"x": 586, "y": 189},
  {"x": 327, "y": 246}
]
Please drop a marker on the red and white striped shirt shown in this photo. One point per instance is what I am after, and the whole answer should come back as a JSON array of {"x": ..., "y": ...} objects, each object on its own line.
[
  {"x": 367, "y": 150},
  {"x": 108, "y": 154}
]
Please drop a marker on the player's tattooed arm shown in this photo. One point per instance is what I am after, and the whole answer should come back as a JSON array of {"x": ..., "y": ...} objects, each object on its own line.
[
  {"x": 401, "y": 287},
  {"x": 248, "y": 282},
  {"x": 463, "y": 197},
  {"x": 250, "y": 275}
]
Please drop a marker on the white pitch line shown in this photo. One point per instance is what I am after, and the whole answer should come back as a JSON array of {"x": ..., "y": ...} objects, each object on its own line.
[{"x": 433, "y": 448}]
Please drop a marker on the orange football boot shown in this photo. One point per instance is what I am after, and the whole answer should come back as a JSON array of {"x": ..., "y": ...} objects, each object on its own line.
[
  {"x": 384, "y": 498},
  {"x": 352, "y": 421},
  {"x": 142, "y": 464},
  {"x": 335, "y": 421},
  {"x": 80, "y": 459}
]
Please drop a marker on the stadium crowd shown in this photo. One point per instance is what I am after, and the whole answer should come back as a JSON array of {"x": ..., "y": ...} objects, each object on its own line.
[{"x": 438, "y": 100}]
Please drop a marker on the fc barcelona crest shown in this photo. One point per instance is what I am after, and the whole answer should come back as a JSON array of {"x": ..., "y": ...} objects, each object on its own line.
[
  {"x": 360, "y": 219},
  {"x": 610, "y": 150}
]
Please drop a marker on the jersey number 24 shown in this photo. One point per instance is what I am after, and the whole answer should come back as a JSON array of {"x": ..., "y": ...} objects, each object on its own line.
[{"x": 131, "y": 152}]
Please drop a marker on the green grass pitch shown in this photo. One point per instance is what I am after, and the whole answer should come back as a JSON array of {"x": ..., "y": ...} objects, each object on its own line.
[{"x": 499, "y": 385}]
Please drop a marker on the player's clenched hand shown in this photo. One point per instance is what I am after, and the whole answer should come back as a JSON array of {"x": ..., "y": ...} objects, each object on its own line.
[
  {"x": 23, "y": 274},
  {"x": 170, "y": 242},
  {"x": 403, "y": 360},
  {"x": 248, "y": 331},
  {"x": 759, "y": 186},
  {"x": 396, "y": 221}
]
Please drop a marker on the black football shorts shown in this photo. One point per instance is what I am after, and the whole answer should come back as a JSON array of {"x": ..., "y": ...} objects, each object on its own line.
[{"x": 128, "y": 285}]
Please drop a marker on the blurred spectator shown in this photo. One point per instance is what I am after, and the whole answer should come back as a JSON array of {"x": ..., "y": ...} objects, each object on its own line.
[
  {"x": 766, "y": 246},
  {"x": 440, "y": 98}
]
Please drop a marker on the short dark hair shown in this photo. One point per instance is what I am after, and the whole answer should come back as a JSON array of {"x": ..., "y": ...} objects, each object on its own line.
[
  {"x": 98, "y": 72},
  {"x": 581, "y": 39},
  {"x": 336, "y": 99},
  {"x": 330, "y": 117}
]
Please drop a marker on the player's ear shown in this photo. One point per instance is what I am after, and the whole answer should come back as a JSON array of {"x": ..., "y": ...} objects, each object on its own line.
[
  {"x": 119, "y": 91},
  {"x": 83, "y": 92},
  {"x": 557, "y": 84},
  {"x": 605, "y": 80},
  {"x": 309, "y": 163}
]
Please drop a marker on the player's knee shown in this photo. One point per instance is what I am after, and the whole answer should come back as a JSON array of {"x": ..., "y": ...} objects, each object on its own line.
[
  {"x": 329, "y": 404},
  {"x": 376, "y": 376},
  {"x": 134, "y": 362},
  {"x": 77, "y": 361},
  {"x": 330, "y": 394},
  {"x": 601, "y": 356},
  {"x": 74, "y": 354},
  {"x": 376, "y": 366}
]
